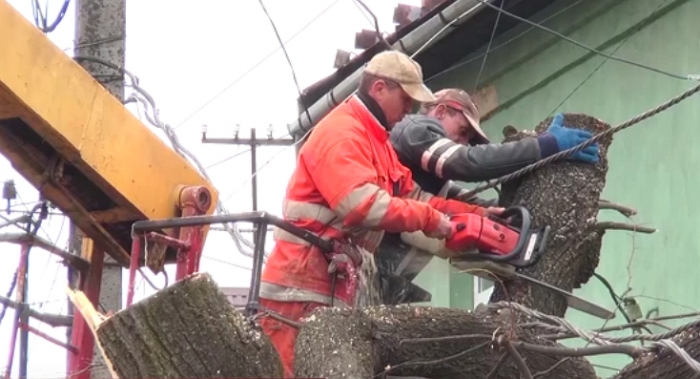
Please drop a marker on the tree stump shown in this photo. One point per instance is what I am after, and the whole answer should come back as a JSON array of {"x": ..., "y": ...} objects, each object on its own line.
[
  {"x": 188, "y": 330},
  {"x": 565, "y": 196}
]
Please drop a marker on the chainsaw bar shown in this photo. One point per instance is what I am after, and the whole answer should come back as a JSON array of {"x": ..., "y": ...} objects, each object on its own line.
[
  {"x": 572, "y": 300},
  {"x": 487, "y": 269}
]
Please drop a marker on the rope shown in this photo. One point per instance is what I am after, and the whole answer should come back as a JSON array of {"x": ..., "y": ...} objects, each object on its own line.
[{"x": 566, "y": 153}]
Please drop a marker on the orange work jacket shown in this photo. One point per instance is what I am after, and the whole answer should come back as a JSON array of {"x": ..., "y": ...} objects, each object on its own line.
[{"x": 348, "y": 182}]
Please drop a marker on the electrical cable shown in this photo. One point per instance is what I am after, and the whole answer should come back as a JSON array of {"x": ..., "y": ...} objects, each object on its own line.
[
  {"x": 145, "y": 99},
  {"x": 252, "y": 68},
  {"x": 40, "y": 18},
  {"x": 584, "y": 81},
  {"x": 359, "y": 8},
  {"x": 692, "y": 77},
  {"x": 284, "y": 50},
  {"x": 238, "y": 154},
  {"x": 379, "y": 37},
  {"x": 472, "y": 59},
  {"x": 378, "y": 32},
  {"x": 488, "y": 47},
  {"x": 566, "y": 153}
]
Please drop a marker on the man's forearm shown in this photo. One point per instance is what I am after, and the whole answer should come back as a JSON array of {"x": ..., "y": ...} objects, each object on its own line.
[{"x": 485, "y": 162}]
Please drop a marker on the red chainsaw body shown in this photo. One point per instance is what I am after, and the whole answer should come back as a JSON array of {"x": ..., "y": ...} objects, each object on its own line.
[{"x": 473, "y": 231}]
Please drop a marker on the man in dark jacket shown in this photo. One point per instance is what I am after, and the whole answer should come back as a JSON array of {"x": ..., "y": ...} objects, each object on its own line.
[{"x": 445, "y": 142}]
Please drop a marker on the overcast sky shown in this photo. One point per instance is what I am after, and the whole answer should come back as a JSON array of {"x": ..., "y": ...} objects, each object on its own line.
[{"x": 185, "y": 56}]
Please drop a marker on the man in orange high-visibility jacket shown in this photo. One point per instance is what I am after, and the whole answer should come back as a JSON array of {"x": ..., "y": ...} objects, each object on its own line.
[{"x": 349, "y": 183}]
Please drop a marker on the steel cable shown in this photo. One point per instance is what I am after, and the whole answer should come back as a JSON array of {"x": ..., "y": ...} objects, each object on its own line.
[{"x": 566, "y": 153}]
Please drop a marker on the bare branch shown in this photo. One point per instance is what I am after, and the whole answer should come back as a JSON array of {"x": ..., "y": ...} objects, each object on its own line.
[
  {"x": 441, "y": 360},
  {"x": 445, "y": 338},
  {"x": 632, "y": 351},
  {"x": 545, "y": 372},
  {"x": 497, "y": 366},
  {"x": 624, "y": 210},
  {"x": 610, "y": 225},
  {"x": 522, "y": 366},
  {"x": 636, "y": 324}
]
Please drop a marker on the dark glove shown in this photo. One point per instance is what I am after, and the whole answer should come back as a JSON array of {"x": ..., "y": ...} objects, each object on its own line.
[{"x": 558, "y": 138}]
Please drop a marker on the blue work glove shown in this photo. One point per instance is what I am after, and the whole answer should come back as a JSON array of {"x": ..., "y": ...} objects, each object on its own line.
[{"x": 558, "y": 138}]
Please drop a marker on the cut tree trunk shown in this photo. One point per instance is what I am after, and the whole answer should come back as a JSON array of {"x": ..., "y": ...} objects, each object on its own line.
[
  {"x": 565, "y": 196},
  {"x": 188, "y": 330},
  {"x": 349, "y": 344},
  {"x": 666, "y": 364},
  {"x": 366, "y": 343}
]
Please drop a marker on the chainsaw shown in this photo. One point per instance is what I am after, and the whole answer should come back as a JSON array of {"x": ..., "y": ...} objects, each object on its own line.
[
  {"x": 507, "y": 242},
  {"x": 482, "y": 246},
  {"x": 500, "y": 245}
]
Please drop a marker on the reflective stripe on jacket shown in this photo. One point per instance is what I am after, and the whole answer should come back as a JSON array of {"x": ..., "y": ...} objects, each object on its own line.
[
  {"x": 422, "y": 144},
  {"x": 348, "y": 183}
]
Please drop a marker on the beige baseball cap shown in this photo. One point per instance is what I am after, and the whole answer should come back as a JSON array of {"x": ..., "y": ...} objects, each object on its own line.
[
  {"x": 460, "y": 100},
  {"x": 399, "y": 67}
]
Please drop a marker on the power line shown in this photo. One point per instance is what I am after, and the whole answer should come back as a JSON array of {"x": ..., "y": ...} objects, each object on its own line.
[
  {"x": 693, "y": 77},
  {"x": 566, "y": 153},
  {"x": 458, "y": 65},
  {"x": 286, "y": 55},
  {"x": 584, "y": 81},
  {"x": 238, "y": 154},
  {"x": 254, "y": 66},
  {"x": 488, "y": 47},
  {"x": 40, "y": 18},
  {"x": 143, "y": 97}
]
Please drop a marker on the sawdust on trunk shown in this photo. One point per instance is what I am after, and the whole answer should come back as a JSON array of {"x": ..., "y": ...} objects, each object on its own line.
[
  {"x": 188, "y": 330},
  {"x": 565, "y": 196},
  {"x": 387, "y": 340}
]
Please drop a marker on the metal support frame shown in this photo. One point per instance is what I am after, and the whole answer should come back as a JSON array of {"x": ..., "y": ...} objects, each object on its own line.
[
  {"x": 23, "y": 313},
  {"x": 193, "y": 201},
  {"x": 261, "y": 220}
]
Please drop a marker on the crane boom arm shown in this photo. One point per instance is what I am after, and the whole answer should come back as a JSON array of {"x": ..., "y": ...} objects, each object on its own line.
[{"x": 78, "y": 145}]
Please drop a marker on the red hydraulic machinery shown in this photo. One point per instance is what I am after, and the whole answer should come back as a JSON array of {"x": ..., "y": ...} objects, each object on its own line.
[{"x": 102, "y": 167}]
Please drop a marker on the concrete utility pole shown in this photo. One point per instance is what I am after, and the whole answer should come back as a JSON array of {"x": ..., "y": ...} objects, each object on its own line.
[{"x": 100, "y": 32}]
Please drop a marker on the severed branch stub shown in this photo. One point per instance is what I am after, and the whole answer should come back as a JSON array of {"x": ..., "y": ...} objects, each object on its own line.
[
  {"x": 611, "y": 225},
  {"x": 622, "y": 209}
]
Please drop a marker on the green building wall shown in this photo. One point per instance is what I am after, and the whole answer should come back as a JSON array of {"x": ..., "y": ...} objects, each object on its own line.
[{"x": 653, "y": 166}]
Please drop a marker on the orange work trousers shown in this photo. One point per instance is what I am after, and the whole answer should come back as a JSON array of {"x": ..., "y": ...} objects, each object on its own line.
[{"x": 284, "y": 336}]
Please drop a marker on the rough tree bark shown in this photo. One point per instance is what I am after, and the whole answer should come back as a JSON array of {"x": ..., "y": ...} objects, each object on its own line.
[
  {"x": 366, "y": 343},
  {"x": 188, "y": 330},
  {"x": 565, "y": 196},
  {"x": 342, "y": 343},
  {"x": 191, "y": 330}
]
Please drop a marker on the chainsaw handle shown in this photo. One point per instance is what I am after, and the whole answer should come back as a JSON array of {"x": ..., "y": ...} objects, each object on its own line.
[
  {"x": 516, "y": 213},
  {"x": 525, "y": 223}
]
